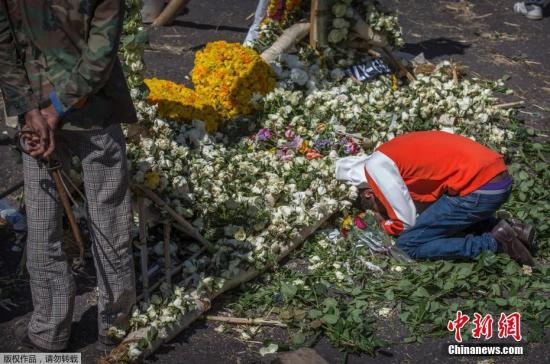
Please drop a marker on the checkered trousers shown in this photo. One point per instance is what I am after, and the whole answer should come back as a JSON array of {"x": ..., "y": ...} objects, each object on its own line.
[{"x": 105, "y": 175}]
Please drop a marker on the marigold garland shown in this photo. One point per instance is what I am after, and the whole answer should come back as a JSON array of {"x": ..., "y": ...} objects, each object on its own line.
[
  {"x": 225, "y": 76},
  {"x": 229, "y": 74},
  {"x": 177, "y": 102}
]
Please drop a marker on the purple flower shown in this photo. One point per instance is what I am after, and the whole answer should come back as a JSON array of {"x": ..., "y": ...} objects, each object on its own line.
[
  {"x": 290, "y": 134},
  {"x": 264, "y": 134},
  {"x": 296, "y": 143},
  {"x": 322, "y": 143}
]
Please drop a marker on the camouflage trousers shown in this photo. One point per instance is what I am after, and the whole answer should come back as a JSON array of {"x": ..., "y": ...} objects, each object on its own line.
[{"x": 105, "y": 175}]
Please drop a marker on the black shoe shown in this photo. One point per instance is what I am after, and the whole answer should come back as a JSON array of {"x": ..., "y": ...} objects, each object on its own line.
[
  {"x": 105, "y": 345},
  {"x": 526, "y": 233},
  {"x": 508, "y": 242}
]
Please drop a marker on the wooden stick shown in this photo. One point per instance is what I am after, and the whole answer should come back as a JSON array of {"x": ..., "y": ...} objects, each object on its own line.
[
  {"x": 398, "y": 64},
  {"x": 144, "y": 254},
  {"x": 170, "y": 12},
  {"x": 167, "y": 255},
  {"x": 245, "y": 321},
  {"x": 509, "y": 104},
  {"x": 189, "y": 229}
]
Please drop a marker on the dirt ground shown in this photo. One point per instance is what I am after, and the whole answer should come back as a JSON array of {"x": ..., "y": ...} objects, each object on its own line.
[{"x": 484, "y": 35}]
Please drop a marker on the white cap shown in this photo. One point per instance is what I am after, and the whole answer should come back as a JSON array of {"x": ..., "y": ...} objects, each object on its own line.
[{"x": 351, "y": 170}]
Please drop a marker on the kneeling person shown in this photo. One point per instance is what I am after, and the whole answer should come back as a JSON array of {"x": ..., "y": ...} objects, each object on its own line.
[{"x": 438, "y": 192}]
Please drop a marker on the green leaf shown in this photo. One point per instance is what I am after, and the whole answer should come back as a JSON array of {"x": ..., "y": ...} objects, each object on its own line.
[
  {"x": 404, "y": 284},
  {"x": 500, "y": 301},
  {"x": 390, "y": 296},
  {"x": 298, "y": 339},
  {"x": 330, "y": 319},
  {"x": 330, "y": 302},
  {"x": 288, "y": 290},
  {"x": 314, "y": 314},
  {"x": 270, "y": 349},
  {"x": 421, "y": 292}
]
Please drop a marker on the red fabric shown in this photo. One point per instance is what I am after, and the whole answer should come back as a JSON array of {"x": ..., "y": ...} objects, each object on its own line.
[
  {"x": 433, "y": 163},
  {"x": 393, "y": 226}
]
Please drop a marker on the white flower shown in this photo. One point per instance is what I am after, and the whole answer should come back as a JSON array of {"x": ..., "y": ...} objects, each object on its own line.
[
  {"x": 337, "y": 35},
  {"x": 397, "y": 268},
  {"x": 384, "y": 312},
  {"x": 340, "y": 23},
  {"x": 299, "y": 76},
  {"x": 339, "y": 9}
]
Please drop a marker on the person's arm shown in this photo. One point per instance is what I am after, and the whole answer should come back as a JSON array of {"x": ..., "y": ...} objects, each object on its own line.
[
  {"x": 96, "y": 62},
  {"x": 15, "y": 85},
  {"x": 390, "y": 190}
]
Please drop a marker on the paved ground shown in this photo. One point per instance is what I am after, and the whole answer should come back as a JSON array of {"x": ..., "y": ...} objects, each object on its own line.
[{"x": 484, "y": 35}]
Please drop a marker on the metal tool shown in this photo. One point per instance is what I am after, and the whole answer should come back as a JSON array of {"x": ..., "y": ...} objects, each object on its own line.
[{"x": 54, "y": 167}]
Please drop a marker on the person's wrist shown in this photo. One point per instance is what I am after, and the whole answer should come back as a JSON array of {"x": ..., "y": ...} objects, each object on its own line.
[{"x": 55, "y": 103}]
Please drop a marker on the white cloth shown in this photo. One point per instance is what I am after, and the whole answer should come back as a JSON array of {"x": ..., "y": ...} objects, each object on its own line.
[
  {"x": 351, "y": 170},
  {"x": 261, "y": 11},
  {"x": 385, "y": 174}
]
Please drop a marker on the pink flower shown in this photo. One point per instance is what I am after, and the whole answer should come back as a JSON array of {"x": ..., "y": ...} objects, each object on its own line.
[
  {"x": 359, "y": 223},
  {"x": 290, "y": 134},
  {"x": 313, "y": 154}
]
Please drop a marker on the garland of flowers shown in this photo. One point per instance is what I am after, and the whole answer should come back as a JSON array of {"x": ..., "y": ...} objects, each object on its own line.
[
  {"x": 133, "y": 43},
  {"x": 177, "y": 102},
  {"x": 228, "y": 77},
  {"x": 280, "y": 10}
]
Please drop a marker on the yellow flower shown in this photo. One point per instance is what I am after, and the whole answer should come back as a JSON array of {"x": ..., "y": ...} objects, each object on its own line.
[
  {"x": 321, "y": 128},
  {"x": 304, "y": 147},
  {"x": 152, "y": 180},
  {"x": 225, "y": 76},
  {"x": 347, "y": 223}
]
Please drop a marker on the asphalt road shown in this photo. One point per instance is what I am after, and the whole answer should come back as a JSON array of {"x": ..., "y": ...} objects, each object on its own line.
[{"x": 484, "y": 35}]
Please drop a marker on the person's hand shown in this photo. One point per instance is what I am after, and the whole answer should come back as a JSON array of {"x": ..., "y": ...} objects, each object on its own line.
[
  {"x": 43, "y": 142},
  {"x": 51, "y": 115}
]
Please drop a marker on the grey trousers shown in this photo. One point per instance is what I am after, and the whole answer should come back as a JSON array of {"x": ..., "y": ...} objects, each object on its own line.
[{"x": 105, "y": 176}]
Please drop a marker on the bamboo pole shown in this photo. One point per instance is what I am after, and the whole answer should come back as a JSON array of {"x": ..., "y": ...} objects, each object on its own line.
[
  {"x": 167, "y": 333},
  {"x": 189, "y": 229}
]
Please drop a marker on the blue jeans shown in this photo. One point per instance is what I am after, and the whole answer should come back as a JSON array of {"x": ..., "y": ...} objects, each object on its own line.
[
  {"x": 537, "y": 2},
  {"x": 454, "y": 227}
]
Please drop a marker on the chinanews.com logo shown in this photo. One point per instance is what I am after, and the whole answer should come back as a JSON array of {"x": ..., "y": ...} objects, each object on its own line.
[{"x": 508, "y": 326}]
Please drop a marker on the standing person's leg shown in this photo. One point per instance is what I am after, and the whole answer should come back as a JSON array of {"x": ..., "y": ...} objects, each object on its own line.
[
  {"x": 434, "y": 234},
  {"x": 259, "y": 16},
  {"x": 52, "y": 284},
  {"x": 106, "y": 182},
  {"x": 531, "y": 9}
]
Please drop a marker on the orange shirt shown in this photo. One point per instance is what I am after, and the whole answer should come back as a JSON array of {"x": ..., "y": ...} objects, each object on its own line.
[{"x": 433, "y": 163}]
